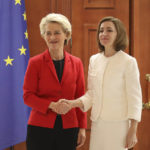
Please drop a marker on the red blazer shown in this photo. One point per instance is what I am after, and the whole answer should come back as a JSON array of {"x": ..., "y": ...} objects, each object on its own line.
[{"x": 41, "y": 87}]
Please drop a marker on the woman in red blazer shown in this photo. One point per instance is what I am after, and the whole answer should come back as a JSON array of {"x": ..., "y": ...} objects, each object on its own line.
[{"x": 50, "y": 76}]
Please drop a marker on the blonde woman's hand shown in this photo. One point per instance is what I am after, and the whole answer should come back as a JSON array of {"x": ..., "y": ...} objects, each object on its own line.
[
  {"x": 73, "y": 103},
  {"x": 81, "y": 137},
  {"x": 69, "y": 102},
  {"x": 59, "y": 107}
]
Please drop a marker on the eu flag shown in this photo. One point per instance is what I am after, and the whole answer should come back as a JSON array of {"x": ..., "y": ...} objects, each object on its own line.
[{"x": 14, "y": 55}]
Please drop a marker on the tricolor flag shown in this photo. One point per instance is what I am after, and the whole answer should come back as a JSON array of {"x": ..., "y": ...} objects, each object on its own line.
[{"x": 14, "y": 55}]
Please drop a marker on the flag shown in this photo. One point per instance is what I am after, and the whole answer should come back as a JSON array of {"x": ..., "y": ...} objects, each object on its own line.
[{"x": 14, "y": 55}]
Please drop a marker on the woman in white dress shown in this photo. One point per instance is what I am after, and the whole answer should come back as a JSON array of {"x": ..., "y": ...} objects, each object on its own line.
[{"x": 114, "y": 90}]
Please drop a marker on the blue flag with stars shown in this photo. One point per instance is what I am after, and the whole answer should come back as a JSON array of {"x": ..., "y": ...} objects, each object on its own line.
[{"x": 14, "y": 55}]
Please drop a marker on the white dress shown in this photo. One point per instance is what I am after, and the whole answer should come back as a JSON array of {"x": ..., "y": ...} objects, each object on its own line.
[
  {"x": 113, "y": 90},
  {"x": 108, "y": 135}
]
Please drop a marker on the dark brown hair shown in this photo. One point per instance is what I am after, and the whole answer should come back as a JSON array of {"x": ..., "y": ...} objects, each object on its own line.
[{"x": 121, "y": 41}]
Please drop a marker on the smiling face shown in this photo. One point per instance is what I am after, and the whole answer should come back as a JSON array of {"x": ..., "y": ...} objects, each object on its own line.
[
  {"x": 54, "y": 36},
  {"x": 107, "y": 34}
]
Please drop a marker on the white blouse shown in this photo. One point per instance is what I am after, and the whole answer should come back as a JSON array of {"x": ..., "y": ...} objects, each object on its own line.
[{"x": 114, "y": 90}]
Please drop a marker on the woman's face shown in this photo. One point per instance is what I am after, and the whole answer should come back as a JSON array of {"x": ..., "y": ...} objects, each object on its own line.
[
  {"x": 54, "y": 36},
  {"x": 107, "y": 34}
]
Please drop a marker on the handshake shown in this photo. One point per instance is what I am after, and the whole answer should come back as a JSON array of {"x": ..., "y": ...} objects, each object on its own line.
[{"x": 62, "y": 106}]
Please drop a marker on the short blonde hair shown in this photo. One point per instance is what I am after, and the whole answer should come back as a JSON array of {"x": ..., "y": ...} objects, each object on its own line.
[
  {"x": 121, "y": 41},
  {"x": 56, "y": 18}
]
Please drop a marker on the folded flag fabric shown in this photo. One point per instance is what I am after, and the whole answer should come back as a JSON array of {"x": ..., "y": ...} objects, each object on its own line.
[{"x": 14, "y": 56}]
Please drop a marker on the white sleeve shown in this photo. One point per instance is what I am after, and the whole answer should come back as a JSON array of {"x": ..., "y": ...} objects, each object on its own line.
[
  {"x": 87, "y": 98},
  {"x": 133, "y": 90}
]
